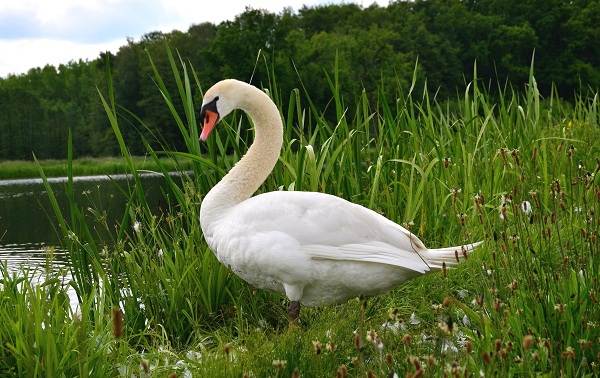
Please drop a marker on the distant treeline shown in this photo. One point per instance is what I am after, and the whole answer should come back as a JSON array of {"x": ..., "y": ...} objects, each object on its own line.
[{"x": 376, "y": 49}]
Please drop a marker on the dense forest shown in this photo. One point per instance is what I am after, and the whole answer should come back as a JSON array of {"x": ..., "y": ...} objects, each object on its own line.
[{"x": 370, "y": 45}]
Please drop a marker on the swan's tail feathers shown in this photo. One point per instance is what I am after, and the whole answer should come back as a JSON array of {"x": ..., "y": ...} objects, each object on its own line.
[{"x": 450, "y": 256}]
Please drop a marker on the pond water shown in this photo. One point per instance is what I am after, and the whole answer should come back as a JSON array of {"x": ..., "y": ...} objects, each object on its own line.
[{"x": 28, "y": 229}]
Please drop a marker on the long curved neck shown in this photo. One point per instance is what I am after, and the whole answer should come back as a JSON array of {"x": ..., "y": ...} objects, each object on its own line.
[{"x": 256, "y": 165}]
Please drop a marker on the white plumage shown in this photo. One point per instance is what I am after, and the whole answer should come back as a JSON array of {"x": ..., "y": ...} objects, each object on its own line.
[{"x": 314, "y": 247}]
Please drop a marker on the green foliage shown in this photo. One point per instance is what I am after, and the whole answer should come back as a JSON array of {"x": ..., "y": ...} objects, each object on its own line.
[
  {"x": 376, "y": 48},
  {"x": 16, "y": 169},
  {"x": 452, "y": 171}
]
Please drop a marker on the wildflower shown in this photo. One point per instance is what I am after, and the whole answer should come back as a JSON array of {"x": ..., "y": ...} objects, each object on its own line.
[
  {"x": 455, "y": 192},
  {"x": 513, "y": 285},
  {"x": 503, "y": 212},
  {"x": 279, "y": 364},
  {"x": 526, "y": 207},
  {"x": 448, "y": 346},
  {"x": 193, "y": 355},
  {"x": 503, "y": 152},
  {"x": 468, "y": 346},
  {"x": 414, "y": 319},
  {"x": 466, "y": 321},
  {"x": 585, "y": 344},
  {"x": 479, "y": 200},
  {"x": 144, "y": 366},
  {"x": 393, "y": 314},
  {"x": 330, "y": 347},
  {"x": 486, "y": 358},
  {"x": 431, "y": 361},
  {"x": 414, "y": 361},
  {"x": 462, "y": 217},
  {"x": 160, "y": 253},
  {"x": 447, "y": 162},
  {"x": 527, "y": 342},
  {"x": 357, "y": 341},
  {"x": 569, "y": 353},
  {"x": 389, "y": 360},
  {"x": 515, "y": 154},
  {"x": 497, "y": 304},
  {"x": 559, "y": 307},
  {"x": 446, "y": 327},
  {"x": 317, "y": 346},
  {"x": 371, "y": 336},
  {"x": 498, "y": 344},
  {"x": 571, "y": 151},
  {"x": 395, "y": 327},
  {"x": 342, "y": 372},
  {"x": 227, "y": 349},
  {"x": 437, "y": 306},
  {"x": 137, "y": 226}
]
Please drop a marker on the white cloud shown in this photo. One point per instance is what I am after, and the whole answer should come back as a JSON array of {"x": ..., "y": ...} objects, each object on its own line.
[
  {"x": 38, "y": 32},
  {"x": 20, "y": 55}
]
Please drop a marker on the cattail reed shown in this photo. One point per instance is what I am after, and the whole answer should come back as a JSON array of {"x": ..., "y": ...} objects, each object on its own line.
[{"x": 117, "y": 322}]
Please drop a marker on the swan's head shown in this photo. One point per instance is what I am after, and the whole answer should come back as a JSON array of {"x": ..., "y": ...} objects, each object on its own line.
[{"x": 218, "y": 102}]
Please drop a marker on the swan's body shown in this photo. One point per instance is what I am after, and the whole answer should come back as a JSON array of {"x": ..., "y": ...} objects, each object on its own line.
[{"x": 313, "y": 247}]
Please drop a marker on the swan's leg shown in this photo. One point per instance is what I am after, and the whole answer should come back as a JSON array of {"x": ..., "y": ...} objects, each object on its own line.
[
  {"x": 294, "y": 294},
  {"x": 294, "y": 311}
]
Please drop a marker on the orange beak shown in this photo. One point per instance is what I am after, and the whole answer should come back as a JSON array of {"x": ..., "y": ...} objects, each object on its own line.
[{"x": 210, "y": 120}]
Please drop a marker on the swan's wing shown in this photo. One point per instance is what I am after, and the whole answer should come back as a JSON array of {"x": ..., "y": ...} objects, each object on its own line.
[
  {"x": 374, "y": 252},
  {"x": 328, "y": 227}
]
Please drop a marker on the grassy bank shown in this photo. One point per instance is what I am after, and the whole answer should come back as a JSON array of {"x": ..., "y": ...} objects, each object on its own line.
[
  {"x": 515, "y": 170},
  {"x": 14, "y": 169}
]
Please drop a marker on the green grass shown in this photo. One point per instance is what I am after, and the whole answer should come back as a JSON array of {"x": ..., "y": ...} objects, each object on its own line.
[
  {"x": 453, "y": 171},
  {"x": 14, "y": 169}
]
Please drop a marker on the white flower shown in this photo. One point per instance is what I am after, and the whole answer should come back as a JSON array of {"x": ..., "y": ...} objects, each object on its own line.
[
  {"x": 462, "y": 293},
  {"x": 414, "y": 319},
  {"x": 160, "y": 252},
  {"x": 526, "y": 207},
  {"x": 449, "y": 346},
  {"x": 394, "y": 327},
  {"x": 137, "y": 226},
  {"x": 466, "y": 321}
]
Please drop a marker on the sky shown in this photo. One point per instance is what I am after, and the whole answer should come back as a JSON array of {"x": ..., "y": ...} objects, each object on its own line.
[{"x": 34, "y": 33}]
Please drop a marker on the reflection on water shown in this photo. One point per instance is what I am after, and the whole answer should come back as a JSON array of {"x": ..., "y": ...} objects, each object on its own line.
[
  {"x": 28, "y": 230},
  {"x": 39, "y": 260},
  {"x": 32, "y": 255}
]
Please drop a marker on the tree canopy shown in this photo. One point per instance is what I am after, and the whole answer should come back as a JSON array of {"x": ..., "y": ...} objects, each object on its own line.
[{"x": 371, "y": 45}]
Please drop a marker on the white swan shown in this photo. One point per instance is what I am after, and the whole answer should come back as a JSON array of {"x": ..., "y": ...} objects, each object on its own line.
[{"x": 313, "y": 247}]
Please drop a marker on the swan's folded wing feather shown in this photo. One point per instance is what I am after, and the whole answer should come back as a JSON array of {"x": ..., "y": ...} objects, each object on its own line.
[{"x": 374, "y": 252}]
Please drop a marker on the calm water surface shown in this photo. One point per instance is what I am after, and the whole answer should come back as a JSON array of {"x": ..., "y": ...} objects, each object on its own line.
[{"x": 28, "y": 229}]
